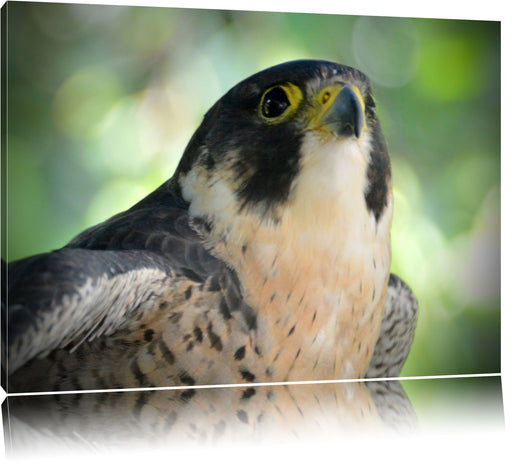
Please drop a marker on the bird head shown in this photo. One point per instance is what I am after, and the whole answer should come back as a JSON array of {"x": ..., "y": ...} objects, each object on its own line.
[{"x": 301, "y": 131}]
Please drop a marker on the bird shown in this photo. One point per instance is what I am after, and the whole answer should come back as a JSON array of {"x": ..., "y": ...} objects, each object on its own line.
[{"x": 264, "y": 258}]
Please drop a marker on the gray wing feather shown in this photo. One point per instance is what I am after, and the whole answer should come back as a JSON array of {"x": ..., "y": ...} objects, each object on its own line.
[
  {"x": 396, "y": 332},
  {"x": 71, "y": 295}
]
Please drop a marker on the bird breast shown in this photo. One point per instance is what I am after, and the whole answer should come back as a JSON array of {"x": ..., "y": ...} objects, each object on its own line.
[{"x": 317, "y": 278}]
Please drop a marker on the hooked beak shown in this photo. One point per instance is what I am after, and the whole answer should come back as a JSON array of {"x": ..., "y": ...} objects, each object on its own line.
[{"x": 342, "y": 111}]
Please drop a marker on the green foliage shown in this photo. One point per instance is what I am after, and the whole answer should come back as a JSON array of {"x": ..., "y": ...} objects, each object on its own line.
[{"x": 102, "y": 101}]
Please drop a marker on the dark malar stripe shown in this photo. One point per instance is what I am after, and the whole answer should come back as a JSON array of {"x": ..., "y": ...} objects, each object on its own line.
[{"x": 378, "y": 173}]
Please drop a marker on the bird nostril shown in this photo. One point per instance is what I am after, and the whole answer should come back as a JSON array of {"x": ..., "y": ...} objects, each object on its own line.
[
  {"x": 326, "y": 97},
  {"x": 349, "y": 128}
]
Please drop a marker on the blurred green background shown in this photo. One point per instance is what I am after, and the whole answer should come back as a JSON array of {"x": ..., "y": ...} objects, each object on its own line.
[{"x": 102, "y": 101}]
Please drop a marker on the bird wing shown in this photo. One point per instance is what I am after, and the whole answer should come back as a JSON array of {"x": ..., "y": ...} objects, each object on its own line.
[
  {"x": 108, "y": 277},
  {"x": 396, "y": 330}
]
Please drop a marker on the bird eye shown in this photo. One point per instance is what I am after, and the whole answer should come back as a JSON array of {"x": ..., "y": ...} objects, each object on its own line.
[{"x": 274, "y": 103}]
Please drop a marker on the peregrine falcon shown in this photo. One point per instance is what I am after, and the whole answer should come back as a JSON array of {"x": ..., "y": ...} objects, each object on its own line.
[{"x": 265, "y": 258}]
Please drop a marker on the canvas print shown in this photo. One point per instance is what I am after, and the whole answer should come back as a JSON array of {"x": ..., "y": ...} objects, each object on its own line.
[
  {"x": 239, "y": 226},
  {"x": 202, "y": 197}
]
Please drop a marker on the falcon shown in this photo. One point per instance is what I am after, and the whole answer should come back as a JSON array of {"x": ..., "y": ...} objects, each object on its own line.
[{"x": 264, "y": 258}]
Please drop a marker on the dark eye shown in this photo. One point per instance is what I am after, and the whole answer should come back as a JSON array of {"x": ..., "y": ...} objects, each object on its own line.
[{"x": 274, "y": 103}]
